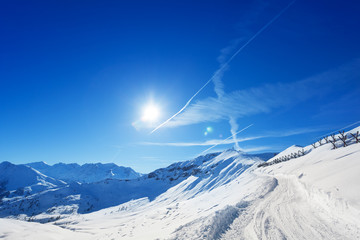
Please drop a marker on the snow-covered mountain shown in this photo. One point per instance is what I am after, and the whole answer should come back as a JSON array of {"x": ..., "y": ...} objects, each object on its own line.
[
  {"x": 213, "y": 169},
  {"x": 313, "y": 194},
  {"x": 18, "y": 180},
  {"x": 90, "y": 172}
]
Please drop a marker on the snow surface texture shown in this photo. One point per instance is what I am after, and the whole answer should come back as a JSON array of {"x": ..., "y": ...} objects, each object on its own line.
[{"x": 217, "y": 196}]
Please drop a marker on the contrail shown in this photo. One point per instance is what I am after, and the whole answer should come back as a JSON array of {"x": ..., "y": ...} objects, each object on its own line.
[
  {"x": 226, "y": 64},
  {"x": 234, "y": 127},
  {"x": 225, "y": 139}
]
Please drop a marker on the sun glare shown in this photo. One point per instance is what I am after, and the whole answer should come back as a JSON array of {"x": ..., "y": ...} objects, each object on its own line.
[{"x": 151, "y": 113}]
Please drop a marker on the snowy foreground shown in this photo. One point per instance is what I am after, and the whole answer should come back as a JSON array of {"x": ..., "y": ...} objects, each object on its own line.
[{"x": 220, "y": 196}]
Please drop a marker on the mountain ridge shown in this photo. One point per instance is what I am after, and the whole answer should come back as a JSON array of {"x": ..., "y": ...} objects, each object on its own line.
[
  {"x": 85, "y": 173},
  {"x": 89, "y": 197}
]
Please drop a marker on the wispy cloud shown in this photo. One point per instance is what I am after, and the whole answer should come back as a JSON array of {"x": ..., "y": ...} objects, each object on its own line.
[
  {"x": 283, "y": 133},
  {"x": 217, "y": 76},
  {"x": 264, "y": 99},
  {"x": 293, "y": 132},
  {"x": 205, "y": 143},
  {"x": 254, "y": 149},
  {"x": 214, "y": 142}
]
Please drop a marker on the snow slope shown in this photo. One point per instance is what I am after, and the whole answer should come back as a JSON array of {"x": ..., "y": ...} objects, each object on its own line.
[
  {"x": 90, "y": 172},
  {"x": 224, "y": 196},
  {"x": 211, "y": 171},
  {"x": 317, "y": 197},
  {"x": 193, "y": 199},
  {"x": 15, "y": 229}
]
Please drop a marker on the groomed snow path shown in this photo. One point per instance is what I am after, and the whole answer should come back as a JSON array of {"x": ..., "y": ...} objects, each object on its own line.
[
  {"x": 316, "y": 197},
  {"x": 289, "y": 212}
]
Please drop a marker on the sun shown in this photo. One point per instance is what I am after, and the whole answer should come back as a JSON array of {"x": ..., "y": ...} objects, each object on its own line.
[{"x": 151, "y": 113}]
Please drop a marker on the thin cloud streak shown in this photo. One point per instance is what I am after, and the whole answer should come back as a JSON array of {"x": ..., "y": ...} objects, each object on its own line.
[
  {"x": 233, "y": 138},
  {"x": 254, "y": 149},
  {"x": 227, "y": 141},
  {"x": 219, "y": 72},
  {"x": 192, "y": 144}
]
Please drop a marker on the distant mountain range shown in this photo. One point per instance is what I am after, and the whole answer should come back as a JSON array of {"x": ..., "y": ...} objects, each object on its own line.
[
  {"x": 24, "y": 180},
  {"x": 90, "y": 172},
  {"x": 92, "y": 187}
]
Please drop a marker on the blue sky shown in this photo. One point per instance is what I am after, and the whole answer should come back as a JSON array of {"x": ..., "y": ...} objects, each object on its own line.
[{"x": 75, "y": 77}]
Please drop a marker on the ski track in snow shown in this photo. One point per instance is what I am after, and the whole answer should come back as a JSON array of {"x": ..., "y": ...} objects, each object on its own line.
[{"x": 289, "y": 212}]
